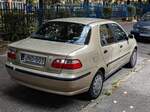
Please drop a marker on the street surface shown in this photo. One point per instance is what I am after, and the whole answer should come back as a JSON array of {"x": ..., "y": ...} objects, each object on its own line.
[
  {"x": 132, "y": 96},
  {"x": 16, "y": 98}
]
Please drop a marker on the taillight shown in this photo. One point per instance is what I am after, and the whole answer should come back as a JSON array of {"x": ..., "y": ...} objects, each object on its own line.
[
  {"x": 66, "y": 64},
  {"x": 11, "y": 55}
]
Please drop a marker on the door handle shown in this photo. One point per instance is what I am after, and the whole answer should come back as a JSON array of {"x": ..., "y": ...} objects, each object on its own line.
[
  {"x": 121, "y": 46},
  {"x": 105, "y": 51}
]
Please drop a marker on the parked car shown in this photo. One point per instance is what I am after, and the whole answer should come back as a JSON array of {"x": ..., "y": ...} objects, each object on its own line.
[
  {"x": 71, "y": 56},
  {"x": 141, "y": 29}
]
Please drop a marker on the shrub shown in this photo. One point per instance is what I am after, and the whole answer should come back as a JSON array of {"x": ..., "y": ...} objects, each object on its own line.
[
  {"x": 131, "y": 11},
  {"x": 107, "y": 12},
  {"x": 50, "y": 13},
  {"x": 138, "y": 11},
  {"x": 18, "y": 25},
  {"x": 63, "y": 13},
  {"x": 80, "y": 12}
]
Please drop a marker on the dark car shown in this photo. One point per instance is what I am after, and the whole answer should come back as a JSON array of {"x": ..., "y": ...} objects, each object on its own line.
[{"x": 141, "y": 30}]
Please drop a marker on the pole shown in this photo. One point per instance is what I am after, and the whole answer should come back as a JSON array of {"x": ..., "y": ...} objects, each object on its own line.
[{"x": 40, "y": 12}]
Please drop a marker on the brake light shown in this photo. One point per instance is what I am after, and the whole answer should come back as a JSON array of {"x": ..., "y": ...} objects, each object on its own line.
[
  {"x": 11, "y": 55},
  {"x": 66, "y": 64}
]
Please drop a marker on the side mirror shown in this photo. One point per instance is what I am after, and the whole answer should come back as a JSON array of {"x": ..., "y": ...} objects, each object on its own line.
[{"x": 131, "y": 36}]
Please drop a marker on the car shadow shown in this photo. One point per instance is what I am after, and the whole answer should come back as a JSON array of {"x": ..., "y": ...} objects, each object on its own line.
[
  {"x": 146, "y": 41},
  {"x": 39, "y": 99},
  {"x": 111, "y": 75}
]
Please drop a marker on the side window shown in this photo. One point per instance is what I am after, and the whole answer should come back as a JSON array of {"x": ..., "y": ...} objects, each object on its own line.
[
  {"x": 118, "y": 33},
  {"x": 106, "y": 36}
]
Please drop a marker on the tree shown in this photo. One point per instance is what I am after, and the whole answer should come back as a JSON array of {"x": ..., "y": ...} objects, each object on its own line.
[
  {"x": 55, "y": 1},
  {"x": 128, "y": 2},
  {"x": 86, "y": 2},
  {"x": 31, "y": 1},
  {"x": 139, "y": 1}
]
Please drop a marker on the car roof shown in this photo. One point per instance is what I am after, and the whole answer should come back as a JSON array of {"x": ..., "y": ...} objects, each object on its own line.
[
  {"x": 147, "y": 13},
  {"x": 81, "y": 20}
]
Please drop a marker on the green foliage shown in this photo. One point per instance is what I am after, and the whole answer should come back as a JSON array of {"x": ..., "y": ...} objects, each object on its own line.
[
  {"x": 63, "y": 13},
  {"x": 32, "y": 1},
  {"x": 131, "y": 11},
  {"x": 139, "y": 11},
  {"x": 18, "y": 26},
  {"x": 107, "y": 12},
  {"x": 80, "y": 12},
  {"x": 52, "y": 1},
  {"x": 72, "y": 1},
  {"x": 77, "y": 1},
  {"x": 52, "y": 14}
]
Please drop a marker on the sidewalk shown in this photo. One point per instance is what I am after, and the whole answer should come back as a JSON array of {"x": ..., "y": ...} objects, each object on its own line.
[
  {"x": 132, "y": 96},
  {"x": 3, "y": 47},
  {"x": 128, "y": 26}
]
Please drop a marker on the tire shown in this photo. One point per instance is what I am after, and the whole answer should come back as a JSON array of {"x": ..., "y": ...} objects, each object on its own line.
[
  {"x": 96, "y": 86},
  {"x": 133, "y": 59}
]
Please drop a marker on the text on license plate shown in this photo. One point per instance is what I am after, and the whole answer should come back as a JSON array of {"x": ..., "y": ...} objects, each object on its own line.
[{"x": 31, "y": 59}]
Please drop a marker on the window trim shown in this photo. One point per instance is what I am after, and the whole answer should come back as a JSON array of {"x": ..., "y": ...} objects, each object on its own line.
[
  {"x": 87, "y": 38},
  {"x": 118, "y": 41},
  {"x": 115, "y": 42},
  {"x": 100, "y": 35}
]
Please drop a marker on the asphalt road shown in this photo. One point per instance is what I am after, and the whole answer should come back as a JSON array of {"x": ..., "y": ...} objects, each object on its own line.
[{"x": 16, "y": 98}]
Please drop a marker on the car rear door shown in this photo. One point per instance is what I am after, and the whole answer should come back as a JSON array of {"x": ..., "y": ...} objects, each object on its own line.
[{"x": 109, "y": 48}]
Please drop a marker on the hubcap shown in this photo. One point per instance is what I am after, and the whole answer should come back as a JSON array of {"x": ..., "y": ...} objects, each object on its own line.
[
  {"x": 134, "y": 58},
  {"x": 97, "y": 84}
]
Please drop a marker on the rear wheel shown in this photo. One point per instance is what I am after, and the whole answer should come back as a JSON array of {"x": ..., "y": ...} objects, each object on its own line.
[
  {"x": 96, "y": 86},
  {"x": 133, "y": 59}
]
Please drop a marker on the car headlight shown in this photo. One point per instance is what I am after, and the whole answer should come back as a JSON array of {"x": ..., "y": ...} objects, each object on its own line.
[
  {"x": 136, "y": 29},
  {"x": 137, "y": 25}
]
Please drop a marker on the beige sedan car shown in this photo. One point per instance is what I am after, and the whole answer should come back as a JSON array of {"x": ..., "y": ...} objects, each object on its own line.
[{"x": 71, "y": 56}]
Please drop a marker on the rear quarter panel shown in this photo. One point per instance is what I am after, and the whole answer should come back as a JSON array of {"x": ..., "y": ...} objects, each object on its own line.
[{"x": 90, "y": 57}]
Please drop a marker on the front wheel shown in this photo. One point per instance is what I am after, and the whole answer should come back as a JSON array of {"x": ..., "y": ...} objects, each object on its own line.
[
  {"x": 133, "y": 59},
  {"x": 96, "y": 86}
]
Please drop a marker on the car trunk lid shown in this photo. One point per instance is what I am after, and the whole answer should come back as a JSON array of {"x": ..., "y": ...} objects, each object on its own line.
[{"x": 30, "y": 51}]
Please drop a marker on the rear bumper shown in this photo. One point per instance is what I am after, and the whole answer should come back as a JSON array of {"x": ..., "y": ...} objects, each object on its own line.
[{"x": 48, "y": 83}]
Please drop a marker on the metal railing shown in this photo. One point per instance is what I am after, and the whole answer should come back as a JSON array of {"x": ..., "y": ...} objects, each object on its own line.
[{"x": 18, "y": 20}]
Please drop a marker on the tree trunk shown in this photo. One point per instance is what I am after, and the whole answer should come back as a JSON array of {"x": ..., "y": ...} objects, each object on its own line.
[
  {"x": 86, "y": 1},
  {"x": 9, "y": 3},
  {"x": 55, "y": 1},
  {"x": 40, "y": 14},
  {"x": 128, "y": 2},
  {"x": 140, "y": 1}
]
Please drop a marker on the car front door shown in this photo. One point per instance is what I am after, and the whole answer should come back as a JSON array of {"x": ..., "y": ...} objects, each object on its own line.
[{"x": 121, "y": 39}]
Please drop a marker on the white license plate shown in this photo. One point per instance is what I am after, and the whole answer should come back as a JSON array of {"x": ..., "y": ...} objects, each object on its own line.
[{"x": 34, "y": 60}]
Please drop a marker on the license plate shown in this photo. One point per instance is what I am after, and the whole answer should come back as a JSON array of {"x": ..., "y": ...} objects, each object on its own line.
[{"x": 34, "y": 60}]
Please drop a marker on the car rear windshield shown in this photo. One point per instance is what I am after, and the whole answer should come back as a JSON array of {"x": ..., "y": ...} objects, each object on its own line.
[{"x": 64, "y": 32}]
